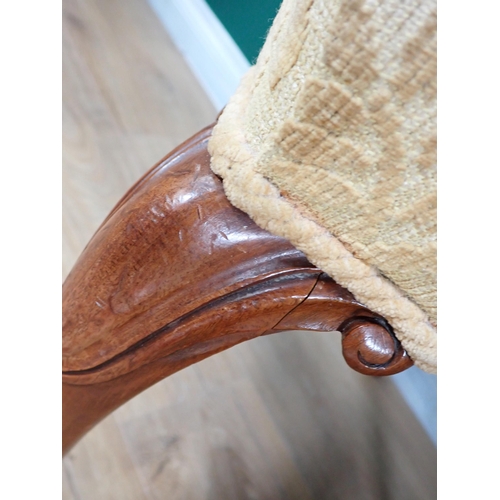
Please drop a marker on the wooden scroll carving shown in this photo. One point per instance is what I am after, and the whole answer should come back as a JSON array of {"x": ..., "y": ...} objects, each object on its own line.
[{"x": 175, "y": 274}]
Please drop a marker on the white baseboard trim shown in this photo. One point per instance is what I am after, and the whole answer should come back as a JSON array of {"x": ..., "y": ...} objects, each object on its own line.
[
  {"x": 419, "y": 389},
  {"x": 208, "y": 48}
]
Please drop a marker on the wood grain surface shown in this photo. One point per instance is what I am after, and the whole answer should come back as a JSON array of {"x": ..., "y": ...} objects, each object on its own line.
[
  {"x": 278, "y": 417},
  {"x": 176, "y": 274}
]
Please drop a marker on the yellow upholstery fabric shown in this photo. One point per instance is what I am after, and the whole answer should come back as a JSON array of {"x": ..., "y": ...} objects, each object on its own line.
[{"x": 330, "y": 142}]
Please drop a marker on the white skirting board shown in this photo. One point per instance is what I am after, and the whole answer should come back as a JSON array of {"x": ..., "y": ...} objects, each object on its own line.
[
  {"x": 219, "y": 64},
  {"x": 420, "y": 392},
  {"x": 208, "y": 48}
]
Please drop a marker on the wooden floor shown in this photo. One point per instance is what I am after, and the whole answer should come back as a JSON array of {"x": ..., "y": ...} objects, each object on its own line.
[{"x": 281, "y": 417}]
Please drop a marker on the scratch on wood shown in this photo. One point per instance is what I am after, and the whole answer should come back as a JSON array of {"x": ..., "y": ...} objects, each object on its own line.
[
  {"x": 169, "y": 202},
  {"x": 197, "y": 169},
  {"x": 100, "y": 303}
]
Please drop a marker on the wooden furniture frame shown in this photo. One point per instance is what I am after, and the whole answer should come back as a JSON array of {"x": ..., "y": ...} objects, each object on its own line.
[{"x": 175, "y": 274}]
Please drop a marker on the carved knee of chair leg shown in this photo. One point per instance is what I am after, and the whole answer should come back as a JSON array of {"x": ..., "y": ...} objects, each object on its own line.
[{"x": 175, "y": 274}]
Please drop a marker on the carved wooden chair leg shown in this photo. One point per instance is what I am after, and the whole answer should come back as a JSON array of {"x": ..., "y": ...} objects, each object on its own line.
[{"x": 175, "y": 274}]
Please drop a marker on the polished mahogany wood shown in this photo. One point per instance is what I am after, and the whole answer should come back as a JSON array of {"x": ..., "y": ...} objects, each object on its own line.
[{"x": 175, "y": 274}]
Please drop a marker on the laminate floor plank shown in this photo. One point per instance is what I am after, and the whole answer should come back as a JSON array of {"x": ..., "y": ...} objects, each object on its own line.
[
  {"x": 280, "y": 417},
  {"x": 128, "y": 99}
]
